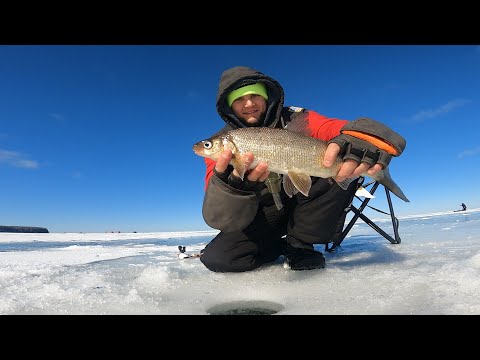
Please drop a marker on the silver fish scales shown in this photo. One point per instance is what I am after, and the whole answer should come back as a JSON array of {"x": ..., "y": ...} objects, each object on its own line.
[{"x": 283, "y": 150}]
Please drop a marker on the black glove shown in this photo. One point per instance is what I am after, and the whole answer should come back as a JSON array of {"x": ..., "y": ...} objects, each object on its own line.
[
  {"x": 367, "y": 140},
  {"x": 237, "y": 183}
]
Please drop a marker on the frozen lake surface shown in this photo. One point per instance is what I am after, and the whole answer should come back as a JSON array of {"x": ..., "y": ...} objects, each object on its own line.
[{"x": 434, "y": 270}]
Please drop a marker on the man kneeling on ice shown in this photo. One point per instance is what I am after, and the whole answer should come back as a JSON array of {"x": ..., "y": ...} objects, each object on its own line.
[{"x": 258, "y": 220}]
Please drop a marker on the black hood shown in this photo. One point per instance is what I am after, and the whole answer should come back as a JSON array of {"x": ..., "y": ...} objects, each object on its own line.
[{"x": 240, "y": 76}]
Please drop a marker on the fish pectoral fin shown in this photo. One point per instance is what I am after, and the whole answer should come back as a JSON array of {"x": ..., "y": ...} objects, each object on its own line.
[
  {"x": 345, "y": 183},
  {"x": 361, "y": 191},
  {"x": 239, "y": 166},
  {"x": 302, "y": 182}
]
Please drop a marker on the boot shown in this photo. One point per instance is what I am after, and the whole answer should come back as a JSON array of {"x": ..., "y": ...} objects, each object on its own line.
[{"x": 301, "y": 256}]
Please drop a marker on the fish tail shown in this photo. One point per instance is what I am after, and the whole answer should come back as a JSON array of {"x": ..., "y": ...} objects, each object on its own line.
[{"x": 387, "y": 181}]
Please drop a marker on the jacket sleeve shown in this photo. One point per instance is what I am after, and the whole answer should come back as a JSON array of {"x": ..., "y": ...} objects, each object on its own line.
[
  {"x": 224, "y": 207},
  {"x": 323, "y": 127}
]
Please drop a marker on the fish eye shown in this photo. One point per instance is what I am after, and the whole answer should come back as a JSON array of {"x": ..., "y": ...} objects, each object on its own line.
[{"x": 207, "y": 145}]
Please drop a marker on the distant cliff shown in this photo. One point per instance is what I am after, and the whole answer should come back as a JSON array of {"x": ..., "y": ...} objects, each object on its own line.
[{"x": 23, "y": 229}]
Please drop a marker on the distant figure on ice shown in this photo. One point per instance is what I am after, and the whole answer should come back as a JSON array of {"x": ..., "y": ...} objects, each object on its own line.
[{"x": 464, "y": 207}]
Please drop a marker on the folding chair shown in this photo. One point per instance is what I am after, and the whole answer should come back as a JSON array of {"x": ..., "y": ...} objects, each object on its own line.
[{"x": 358, "y": 213}]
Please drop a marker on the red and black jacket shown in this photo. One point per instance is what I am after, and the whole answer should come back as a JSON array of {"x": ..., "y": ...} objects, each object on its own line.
[{"x": 230, "y": 209}]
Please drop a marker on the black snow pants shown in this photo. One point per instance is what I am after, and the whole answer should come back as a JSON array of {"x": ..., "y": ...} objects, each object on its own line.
[{"x": 306, "y": 220}]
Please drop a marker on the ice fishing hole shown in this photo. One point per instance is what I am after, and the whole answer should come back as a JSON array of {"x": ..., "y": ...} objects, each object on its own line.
[{"x": 246, "y": 308}]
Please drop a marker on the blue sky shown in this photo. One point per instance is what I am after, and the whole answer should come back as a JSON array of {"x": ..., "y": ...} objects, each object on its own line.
[{"x": 99, "y": 138}]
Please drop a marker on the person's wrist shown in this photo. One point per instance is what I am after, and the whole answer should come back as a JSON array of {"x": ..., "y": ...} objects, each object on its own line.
[
  {"x": 235, "y": 181},
  {"x": 221, "y": 175}
]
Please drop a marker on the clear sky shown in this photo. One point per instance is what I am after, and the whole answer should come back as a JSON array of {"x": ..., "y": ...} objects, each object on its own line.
[
  {"x": 435, "y": 270},
  {"x": 99, "y": 138}
]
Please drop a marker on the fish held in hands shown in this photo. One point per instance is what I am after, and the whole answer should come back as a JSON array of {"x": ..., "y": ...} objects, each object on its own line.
[{"x": 290, "y": 151}]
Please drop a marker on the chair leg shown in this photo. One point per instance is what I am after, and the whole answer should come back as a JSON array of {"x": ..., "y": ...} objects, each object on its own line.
[
  {"x": 359, "y": 214},
  {"x": 394, "y": 219}
]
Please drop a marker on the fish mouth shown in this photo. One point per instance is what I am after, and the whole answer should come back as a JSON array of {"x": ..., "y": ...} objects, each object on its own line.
[{"x": 196, "y": 149}]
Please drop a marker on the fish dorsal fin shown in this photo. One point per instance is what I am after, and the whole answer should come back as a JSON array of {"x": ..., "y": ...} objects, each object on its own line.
[
  {"x": 302, "y": 182},
  {"x": 299, "y": 124}
]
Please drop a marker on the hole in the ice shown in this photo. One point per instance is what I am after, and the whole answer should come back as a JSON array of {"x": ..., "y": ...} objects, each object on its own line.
[{"x": 252, "y": 307}]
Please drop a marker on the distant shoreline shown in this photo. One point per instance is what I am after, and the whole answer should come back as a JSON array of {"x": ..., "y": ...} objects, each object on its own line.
[{"x": 23, "y": 229}]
